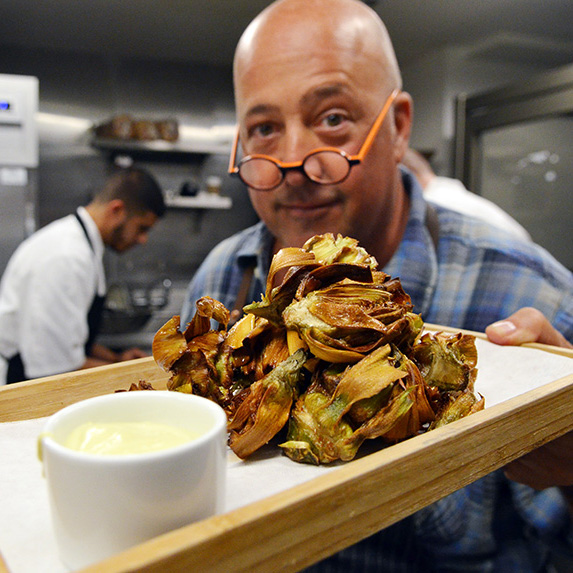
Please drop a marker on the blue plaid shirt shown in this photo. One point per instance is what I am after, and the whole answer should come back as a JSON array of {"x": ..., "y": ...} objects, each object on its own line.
[{"x": 475, "y": 275}]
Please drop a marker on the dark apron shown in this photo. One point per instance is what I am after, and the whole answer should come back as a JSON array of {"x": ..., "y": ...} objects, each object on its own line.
[
  {"x": 16, "y": 371},
  {"x": 95, "y": 313}
]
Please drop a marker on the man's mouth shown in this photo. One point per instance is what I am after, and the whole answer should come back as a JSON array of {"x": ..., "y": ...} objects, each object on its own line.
[{"x": 308, "y": 209}]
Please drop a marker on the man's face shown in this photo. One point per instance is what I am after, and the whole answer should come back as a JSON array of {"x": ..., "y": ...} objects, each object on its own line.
[
  {"x": 312, "y": 94},
  {"x": 132, "y": 230}
]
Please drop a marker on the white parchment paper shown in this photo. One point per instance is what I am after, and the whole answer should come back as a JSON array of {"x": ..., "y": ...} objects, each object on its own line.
[{"x": 26, "y": 538}]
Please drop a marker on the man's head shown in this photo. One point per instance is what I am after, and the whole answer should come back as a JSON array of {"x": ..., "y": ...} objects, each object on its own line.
[
  {"x": 126, "y": 208},
  {"x": 316, "y": 73}
]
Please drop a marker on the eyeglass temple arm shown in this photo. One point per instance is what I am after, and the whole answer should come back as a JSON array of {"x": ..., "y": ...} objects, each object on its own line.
[
  {"x": 375, "y": 127},
  {"x": 233, "y": 169}
]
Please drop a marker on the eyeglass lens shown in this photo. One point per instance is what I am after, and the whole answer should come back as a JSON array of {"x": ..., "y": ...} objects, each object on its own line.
[
  {"x": 320, "y": 167},
  {"x": 326, "y": 167},
  {"x": 260, "y": 173}
]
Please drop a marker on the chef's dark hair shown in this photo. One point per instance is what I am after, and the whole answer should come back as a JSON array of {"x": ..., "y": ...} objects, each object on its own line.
[{"x": 137, "y": 188}]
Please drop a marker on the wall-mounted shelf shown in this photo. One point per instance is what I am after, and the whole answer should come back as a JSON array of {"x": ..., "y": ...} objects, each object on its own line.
[
  {"x": 184, "y": 152},
  {"x": 159, "y": 149},
  {"x": 202, "y": 200}
]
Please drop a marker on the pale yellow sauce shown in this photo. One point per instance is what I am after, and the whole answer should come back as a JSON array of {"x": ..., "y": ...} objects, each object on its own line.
[{"x": 121, "y": 438}]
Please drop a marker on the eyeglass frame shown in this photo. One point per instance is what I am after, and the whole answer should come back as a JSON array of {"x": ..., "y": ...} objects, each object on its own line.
[{"x": 234, "y": 170}]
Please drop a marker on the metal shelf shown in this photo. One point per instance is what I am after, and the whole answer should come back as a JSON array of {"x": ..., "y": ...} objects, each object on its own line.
[
  {"x": 202, "y": 200},
  {"x": 160, "y": 148}
]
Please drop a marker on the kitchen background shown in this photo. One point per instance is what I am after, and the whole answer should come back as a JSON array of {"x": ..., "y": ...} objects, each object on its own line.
[{"x": 159, "y": 59}]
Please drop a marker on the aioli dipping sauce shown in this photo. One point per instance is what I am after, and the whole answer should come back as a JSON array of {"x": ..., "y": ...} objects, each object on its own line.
[
  {"x": 112, "y": 484},
  {"x": 121, "y": 438}
]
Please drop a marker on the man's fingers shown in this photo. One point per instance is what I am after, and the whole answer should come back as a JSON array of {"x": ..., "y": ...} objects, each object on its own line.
[{"x": 525, "y": 325}]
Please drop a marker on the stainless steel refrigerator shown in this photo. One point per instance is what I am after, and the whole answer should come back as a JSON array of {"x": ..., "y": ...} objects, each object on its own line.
[
  {"x": 515, "y": 147},
  {"x": 18, "y": 161}
]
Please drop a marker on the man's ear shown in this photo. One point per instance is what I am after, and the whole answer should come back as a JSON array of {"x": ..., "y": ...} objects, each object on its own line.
[
  {"x": 115, "y": 212},
  {"x": 403, "y": 116}
]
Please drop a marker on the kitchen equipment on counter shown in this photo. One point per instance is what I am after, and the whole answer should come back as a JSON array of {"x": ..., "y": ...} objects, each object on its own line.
[
  {"x": 128, "y": 308},
  {"x": 213, "y": 184},
  {"x": 189, "y": 188}
]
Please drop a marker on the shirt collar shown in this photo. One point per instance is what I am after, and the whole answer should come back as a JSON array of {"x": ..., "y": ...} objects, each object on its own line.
[
  {"x": 257, "y": 249},
  {"x": 415, "y": 261}
]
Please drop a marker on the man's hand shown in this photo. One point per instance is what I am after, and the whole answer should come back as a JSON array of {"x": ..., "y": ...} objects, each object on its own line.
[
  {"x": 525, "y": 325},
  {"x": 131, "y": 354},
  {"x": 551, "y": 464},
  {"x": 547, "y": 466}
]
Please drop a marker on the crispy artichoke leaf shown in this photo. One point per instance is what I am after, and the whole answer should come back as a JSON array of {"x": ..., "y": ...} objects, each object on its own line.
[
  {"x": 394, "y": 287},
  {"x": 301, "y": 451},
  {"x": 309, "y": 439},
  {"x": 326, "y": 275},
  {"x": 304, "y": 275},
  {"x": 385, "y": 420},
  {"x": 423, "y": 411},
  {"x": 447, "y": 361},
  {"x": 271, "y": 307},
  {"x": 259, "y": 353},
  {"x": 318, "y": 430},
  {"x": 338, "y": 308},
  {"x": 329, "y": 249},
  {"x": 365, "y": 379},
  {"x": 285, "y": 259},
  {"x": 266, "y": 408},
  {"x": 191, "y": 370},
  {"x": 242, "y": 329},
  {"x": 464, "y": 404},
  {"x": 168, "y": 344},
  {"x": 329, "y": 349},
  {"x": 362, "y": 410},
  {"x": 207, "y": 308},
  {"x": 344, "y": 321},
  {"x": 274, "y": 351},
  {"x": 196, "y": 371}
]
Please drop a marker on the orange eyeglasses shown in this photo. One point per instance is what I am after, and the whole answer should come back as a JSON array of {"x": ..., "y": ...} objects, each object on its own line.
[{"x": 325, "y": 165}]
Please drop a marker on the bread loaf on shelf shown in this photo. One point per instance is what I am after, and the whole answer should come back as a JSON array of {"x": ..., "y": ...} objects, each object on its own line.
[
  {"x": 118, "y": 127},
  {"x": 126, "y": 128}
]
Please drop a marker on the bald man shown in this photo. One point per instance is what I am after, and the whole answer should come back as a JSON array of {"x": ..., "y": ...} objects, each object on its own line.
[{"x": 323, "y": 125}]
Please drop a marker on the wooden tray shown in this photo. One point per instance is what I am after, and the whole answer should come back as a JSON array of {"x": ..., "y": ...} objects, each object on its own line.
[{"x": 301, "y": 525}]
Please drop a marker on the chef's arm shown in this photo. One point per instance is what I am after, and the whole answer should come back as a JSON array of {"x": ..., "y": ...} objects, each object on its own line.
[
  {"x": 101, "y": 355},
  {"x": 551, "y": 464}
]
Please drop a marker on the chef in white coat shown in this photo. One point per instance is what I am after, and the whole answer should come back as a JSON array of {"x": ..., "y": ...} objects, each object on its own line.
[
  {"x": 53, "y": 289},
  {"x": 452, "y": 194}
]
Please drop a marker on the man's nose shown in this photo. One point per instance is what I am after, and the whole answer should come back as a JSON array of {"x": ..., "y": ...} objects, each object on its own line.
[{"x": 298, "y": 143}]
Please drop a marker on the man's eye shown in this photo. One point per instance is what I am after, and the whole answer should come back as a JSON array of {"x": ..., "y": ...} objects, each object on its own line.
[
  {"x": 333, "y": 119},
  {"x": 263, "y": 130}
]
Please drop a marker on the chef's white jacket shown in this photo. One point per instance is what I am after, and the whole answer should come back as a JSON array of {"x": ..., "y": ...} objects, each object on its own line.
[
  {"x": 46, "y": 293},
  {"x": 452, "y": 194}
]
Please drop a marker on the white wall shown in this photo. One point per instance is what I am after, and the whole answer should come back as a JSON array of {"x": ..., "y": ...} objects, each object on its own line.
[{"x": 435, "y": 80}]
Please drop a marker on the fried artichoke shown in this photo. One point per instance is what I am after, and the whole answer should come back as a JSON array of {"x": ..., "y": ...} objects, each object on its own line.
[{"x": 330, "y": 357}]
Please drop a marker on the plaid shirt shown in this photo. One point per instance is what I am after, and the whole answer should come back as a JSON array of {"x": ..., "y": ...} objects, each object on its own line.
[{"x": 475, "y": 275}]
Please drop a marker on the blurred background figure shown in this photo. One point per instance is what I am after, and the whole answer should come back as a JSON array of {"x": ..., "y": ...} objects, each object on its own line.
[
  {"x": 53, "y": 289},
  {"x": 452, "y": 194}
]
